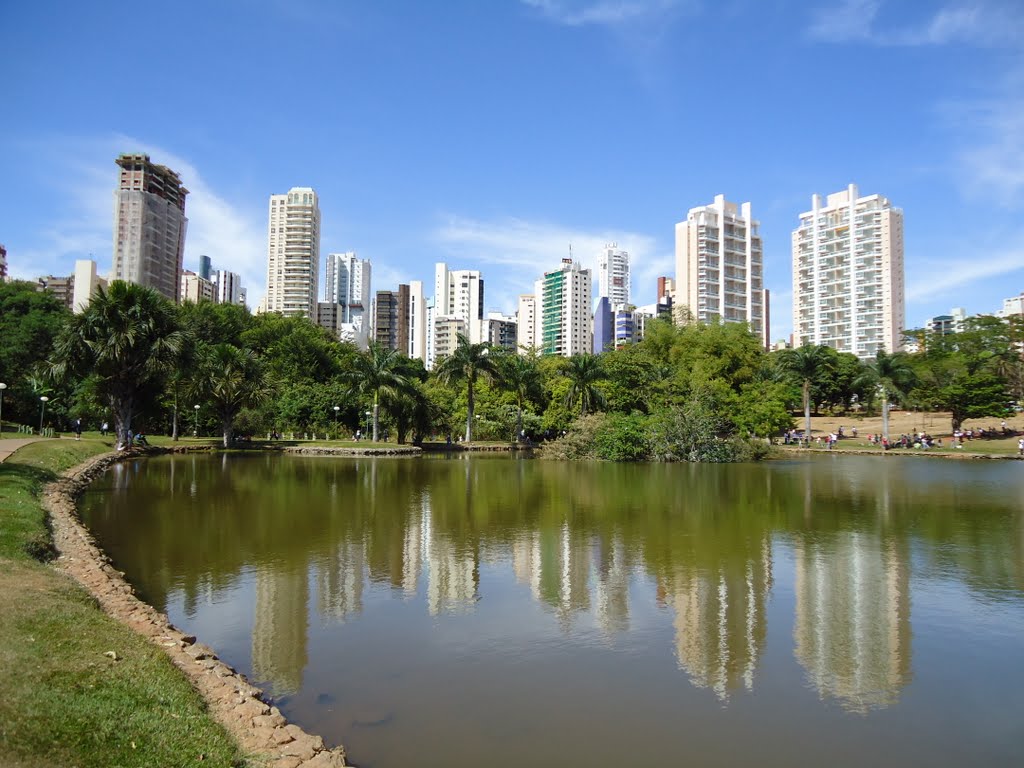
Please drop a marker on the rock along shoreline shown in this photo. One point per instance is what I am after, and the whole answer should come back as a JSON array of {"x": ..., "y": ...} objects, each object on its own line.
[{"x": 259, "y": 728}]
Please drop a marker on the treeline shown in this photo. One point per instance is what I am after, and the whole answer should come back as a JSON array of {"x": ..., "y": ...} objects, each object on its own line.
[{"x": 696, "y": 392}]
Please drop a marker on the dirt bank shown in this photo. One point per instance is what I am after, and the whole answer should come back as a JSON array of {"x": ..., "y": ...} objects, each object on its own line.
[{"x": 259, "y": 728}]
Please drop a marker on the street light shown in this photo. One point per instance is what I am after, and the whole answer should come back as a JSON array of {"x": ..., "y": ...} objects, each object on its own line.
[
  {"x": 195, "y": 432},
  {"x": 368, "y": 415},
  {"x": 336, "y": 409},
  {"x": 42, "y": 412},
  {"x": 2, "y": 388}
]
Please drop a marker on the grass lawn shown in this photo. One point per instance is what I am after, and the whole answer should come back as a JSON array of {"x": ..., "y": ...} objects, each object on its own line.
[{"x": 65, "y": 702}]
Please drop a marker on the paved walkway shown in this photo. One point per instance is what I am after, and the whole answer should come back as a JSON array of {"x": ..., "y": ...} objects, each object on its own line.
[{"x": 7, "y": 447}]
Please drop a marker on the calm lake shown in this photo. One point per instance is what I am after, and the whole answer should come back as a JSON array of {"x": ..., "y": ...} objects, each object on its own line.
[{"x": 841, "y": 611}]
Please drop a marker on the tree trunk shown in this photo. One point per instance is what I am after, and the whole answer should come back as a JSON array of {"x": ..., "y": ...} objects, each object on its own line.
[
  {"x": 885, "y": 415},
  {"x": 376, "y": 417},
  {"x": 122, "y": 410},
  {"x": 807, "y": 412},
  {"x": 228, "y": 428},
  {"x": 174, "y": 419},
  {"x": 469, "y": 414},
  {"x": 519, "y": 424}
]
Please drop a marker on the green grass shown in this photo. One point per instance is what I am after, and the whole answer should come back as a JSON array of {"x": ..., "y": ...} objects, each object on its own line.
[{"x": 65, "y": 703}]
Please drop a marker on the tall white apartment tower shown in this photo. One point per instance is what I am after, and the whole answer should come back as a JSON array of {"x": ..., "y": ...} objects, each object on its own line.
[
  {"x": 460, "y": 293},
  {"x": 417, "y": 322},
  {"x": 565, "y": 319},
  {"x": 613, "y": 274},
  {"x": 227, "y": 287},
  {"x": 293, "y": 253},
  {"x": 526, "y": 323},
  {"x": 719, "y": 266},
  {"x": 149, "y": 225},
  {"x": 848, "y": 290},
  {"x": 347, "y": 285}
]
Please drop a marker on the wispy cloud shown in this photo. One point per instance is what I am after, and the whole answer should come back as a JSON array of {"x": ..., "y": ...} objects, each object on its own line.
[
  {"x": 984, "y": 23},
  {"x": 520, "y": 251},
  {"x": 991, "y": 164},
  {"x": 578, "y": 13},
  {"x": 231, "y": 233},
  {"x": 932, "y": 280}
]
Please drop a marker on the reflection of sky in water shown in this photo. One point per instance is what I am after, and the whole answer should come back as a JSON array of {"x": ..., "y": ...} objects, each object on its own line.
[{"x": 402, "y": 613}]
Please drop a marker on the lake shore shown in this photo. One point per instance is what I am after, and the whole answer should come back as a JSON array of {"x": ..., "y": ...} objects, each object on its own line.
[{"x": 259, "y": 728}]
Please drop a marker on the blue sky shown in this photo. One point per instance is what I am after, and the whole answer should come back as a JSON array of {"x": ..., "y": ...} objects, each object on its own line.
[{"x": 492, "y": 133}]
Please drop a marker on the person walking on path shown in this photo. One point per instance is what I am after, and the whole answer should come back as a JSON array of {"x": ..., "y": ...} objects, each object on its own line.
[
  {"x": 78, "y": 429},
  {"x": 1020, "y": 447}
]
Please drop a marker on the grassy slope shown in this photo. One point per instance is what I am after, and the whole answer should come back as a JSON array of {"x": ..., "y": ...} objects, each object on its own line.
[{"x": 65, "y": 702}]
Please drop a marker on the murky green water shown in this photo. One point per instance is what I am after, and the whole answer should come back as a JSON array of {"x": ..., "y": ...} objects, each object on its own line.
[{"x": 840, "y": 611}]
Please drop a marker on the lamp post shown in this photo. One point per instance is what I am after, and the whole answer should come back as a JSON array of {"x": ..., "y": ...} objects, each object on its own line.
[
  {"x": 195, "y": 432},
  {"x": 368, "y": 415},
  {"x": 42, "y": 412},
  {"x": 2, "y": 388},
  {"x": 336, "y": 409}
]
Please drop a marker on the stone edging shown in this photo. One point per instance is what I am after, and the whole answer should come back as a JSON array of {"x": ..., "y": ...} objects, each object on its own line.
[
  {"x": 329, "y": 451},
  {"x": 938, "y": 453},
  {"x": 259, "y": 728}
]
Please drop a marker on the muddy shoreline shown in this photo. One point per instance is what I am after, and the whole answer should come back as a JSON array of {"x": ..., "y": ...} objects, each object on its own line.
[{"x": 259, "y": 728}]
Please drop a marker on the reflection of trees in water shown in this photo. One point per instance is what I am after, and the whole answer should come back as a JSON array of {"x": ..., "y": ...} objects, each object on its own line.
[{"x": 576, "y": 534}]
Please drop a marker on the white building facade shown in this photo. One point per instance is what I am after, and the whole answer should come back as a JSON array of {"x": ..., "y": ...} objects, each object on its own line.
[
  {"x": 613, "y": 278},
  {"x": 565, "y": 318},
  {"x": 227, "y": 287},
  {"x": 848, "y": 289},
  {"x": 417, "y": 322},
  {"x": 348, "y": 285},
  {"x": 460, "y": 293},
  {"x": 293, "y": 253},
  {"x": 720, "y": 266},
  {"x": 87, "y": 282}
]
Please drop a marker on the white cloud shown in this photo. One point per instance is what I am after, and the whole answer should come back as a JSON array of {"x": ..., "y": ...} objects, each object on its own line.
[
  {"x": 985, "y": 23},
  {"x": 578, "y": 13},
  {"x": 934, "y": 280},
  {"x": 991, "y": 163},
  {"x": 520, "y": 251},
  {"x": 231, "y": 234}
]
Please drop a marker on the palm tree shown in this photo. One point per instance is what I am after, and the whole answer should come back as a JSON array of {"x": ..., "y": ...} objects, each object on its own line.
[
  {"x": 892, "y": 376},
  {"x": 232, "y": 379},
  {"x": 583, "y": 372},
  {"x": 805, "y": 364},
  {"x": 127, "y": 340},
  {"x": 379, "y": 372},
  {"x": 521, "y": 377},
  {"x": 467, "y": 363}
]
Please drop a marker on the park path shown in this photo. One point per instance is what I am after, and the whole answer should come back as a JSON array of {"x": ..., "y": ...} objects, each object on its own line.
[{"x": 9, "y": 446}]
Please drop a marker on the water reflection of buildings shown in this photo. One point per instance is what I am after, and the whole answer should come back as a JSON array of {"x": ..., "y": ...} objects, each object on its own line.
[
  {"x": 279, "y": 629},
  {"x": 557, "y": 564},
  {"x": 721, "y": 619},
  {"x": 453, "y": 573},
  {"x": 340, "y": 580},
  {"x": 852, "y": 629}
]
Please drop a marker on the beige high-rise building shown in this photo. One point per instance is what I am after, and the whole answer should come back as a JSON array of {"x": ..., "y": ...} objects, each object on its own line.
[
  {"x": 719, "y": 266},
  {"x": 149, "y": 225},
  {"x": 195, "y": 288},
  {"x": 526, "y": 323},
  {"x": 293, "y": 253},
  {"x": 848, "y": 290}
]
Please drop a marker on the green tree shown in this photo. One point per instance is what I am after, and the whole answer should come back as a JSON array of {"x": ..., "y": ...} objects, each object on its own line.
[
  {"x": 231, "y": 379},
  {"x": 584, "y": 372},
  {"x": 30, "y": 321},
  {"x": 127, "y": 339},
  {"x": 804, "y": 364},
  {"x": 892, "y": 376},
  {"x": 521, "y": 377},
  {"x": 378, "y": 373},
  {"x": 467, "y": 363}
]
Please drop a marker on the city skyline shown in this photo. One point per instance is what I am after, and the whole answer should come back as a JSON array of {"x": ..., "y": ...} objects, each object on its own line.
[{"x": 419, "y": 157}]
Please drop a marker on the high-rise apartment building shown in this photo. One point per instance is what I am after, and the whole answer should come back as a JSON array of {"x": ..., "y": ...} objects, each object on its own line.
[
  {"x": 604, "y": 326},
  {"x": 565, "y": 310},
  {"x": 61, "y": 286},
  {"x": 719, "y": 266},
  {"x": 613, "y": 274},
  {"x": 417, "y": 322},
  {"x": 391, "y": 319},
  {"x": 501, "y": 330},
  {"x": 348, "y": 285},
  {"x": 460, "y": 293},
  {"x": 293, "y": 253},
  {"x": 149, "y": 225},
  {"x": 206, "y": 268},
  {"x": 526, "y": 323},
  {"x": 227, "y": 286},
  {"x": 848, "y": 290},
  {"x": 3, "y": 262}
]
